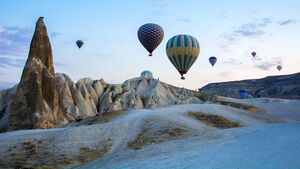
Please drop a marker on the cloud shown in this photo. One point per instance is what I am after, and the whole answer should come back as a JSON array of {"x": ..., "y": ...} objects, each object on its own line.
[
  {"x": 225, "y": 74},
  {"x": 159, "y": 7},
  {"x": 11, "y": 62},
  {"x": 14, "y": 40},
  {"x": 264, "y": 66},
  {"x": 269, "y": 64},
  {"x": 54, "y": 34},
  {"x": 287, "y": 22},
  {"x": 6, "y": 62},
  {"x": 252, "y": 30},
  {"x": 250, "y": 33},
  {"x": 186, "y": 20},
  {"x": 232, "y": 61},
  {"x": 224, "y": 14},
  {"x": 101, "y": 55},
  {"x": 265, "y": 22}
]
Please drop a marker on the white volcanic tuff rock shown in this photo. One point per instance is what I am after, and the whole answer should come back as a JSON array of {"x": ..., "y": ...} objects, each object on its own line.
[
  {"x": 81, "y": 99},
  {"x": 135, "y": 93},
  {"x": 93, "y": 94},
  {"x": 129, "y": 99},
  {"x": 88, "y": 101},
  {"x": 86, "y": 81},
  {"x": 88, "y": 97},
  {"x": 160, "y": 93},
  {"x": 98, "y": 88},
  {"x": 68, "y": 101},
  {"x": 109, "y": 100},
  {"x": 86, "y": 107}
]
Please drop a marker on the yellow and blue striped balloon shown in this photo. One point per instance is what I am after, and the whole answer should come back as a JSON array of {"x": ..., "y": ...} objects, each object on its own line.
[{"x": 182, "y": 51}]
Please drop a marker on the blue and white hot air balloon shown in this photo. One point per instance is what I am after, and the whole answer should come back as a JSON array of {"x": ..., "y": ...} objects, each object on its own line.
[{"x": 212, "y": 60}]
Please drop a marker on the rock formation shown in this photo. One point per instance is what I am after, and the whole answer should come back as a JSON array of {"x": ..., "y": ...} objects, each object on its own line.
[
  {"x": 6, "y": 97},
  {"x": 37, "y": 103},
  {"x": 284, "y": 86},
  {"x": 88, "y": 97}
]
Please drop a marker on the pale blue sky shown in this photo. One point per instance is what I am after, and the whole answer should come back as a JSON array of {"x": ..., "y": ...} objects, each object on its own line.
[{"x": 229, "y": 30}]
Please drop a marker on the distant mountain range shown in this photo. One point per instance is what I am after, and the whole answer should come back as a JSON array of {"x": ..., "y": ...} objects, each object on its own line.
[{"x": 284, "y": 86}]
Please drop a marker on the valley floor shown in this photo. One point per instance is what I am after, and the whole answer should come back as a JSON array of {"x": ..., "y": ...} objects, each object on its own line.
[
  {"x": 254, "y": 133},
  {"x": 268, "y": 146}
]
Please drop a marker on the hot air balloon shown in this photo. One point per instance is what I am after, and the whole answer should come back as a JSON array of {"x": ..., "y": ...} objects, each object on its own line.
[
  {"x": 182, "y": 51},
  {"x": 242, "y": 92},
  {"x": 212, "y": 60},
  {"x": 253, "y": 54},
  {"x": 79, "y": 43},
  {"x": 279, "y": 67},
  {"x": 147, "y": 74},
  {"x": 150, "y": 35}
]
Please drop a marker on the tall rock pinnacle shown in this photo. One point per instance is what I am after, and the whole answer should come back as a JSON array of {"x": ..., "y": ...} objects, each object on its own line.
[{"x": 37, "y": 103}]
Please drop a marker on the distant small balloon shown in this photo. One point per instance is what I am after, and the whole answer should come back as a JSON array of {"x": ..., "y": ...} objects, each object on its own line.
[
  {"x": 253, "y": 54},
  {"x": 147, "y": 74},
  {"x": 212, "y": 60},
  {"x": 242, "y": 91},
  {"x": 79, "y": 43},
  {"x": 279, "y": 67}
]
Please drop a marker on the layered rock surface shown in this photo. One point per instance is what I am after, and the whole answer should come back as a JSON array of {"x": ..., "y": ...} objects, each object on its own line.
[
  {"x": 87, "y": 97},
  {"x": 284, "y": 86},
  {"x": 37, "y": 103}
]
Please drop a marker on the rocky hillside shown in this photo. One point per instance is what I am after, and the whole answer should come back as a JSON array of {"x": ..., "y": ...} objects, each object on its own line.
[
  {"x": 87, "y": 97},
  {"x": 285, "y": 86}
]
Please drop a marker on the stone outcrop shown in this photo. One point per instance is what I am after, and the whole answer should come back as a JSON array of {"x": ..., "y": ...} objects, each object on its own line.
[
  {"x": 6, "y": 96},
  {"x": 88, "y": 97},
  {"x": 284, "y": 86},
  {"x": 144, "y": 93},
  {"x": 37, "y": 103}
]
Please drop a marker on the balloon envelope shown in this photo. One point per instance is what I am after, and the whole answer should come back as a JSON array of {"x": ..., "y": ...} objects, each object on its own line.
[
  {"x": 253, "y": 54},
  {"x": 279, "y": 67},
  {"x": 79, "y": 43},
  {"x": 150, "y": 35},
  {"x": 242, "y": 91},
  {"x": 212, "y": 60},
  {"x": 182, "y": 51},
  {"x": 147, "y": 74}
]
